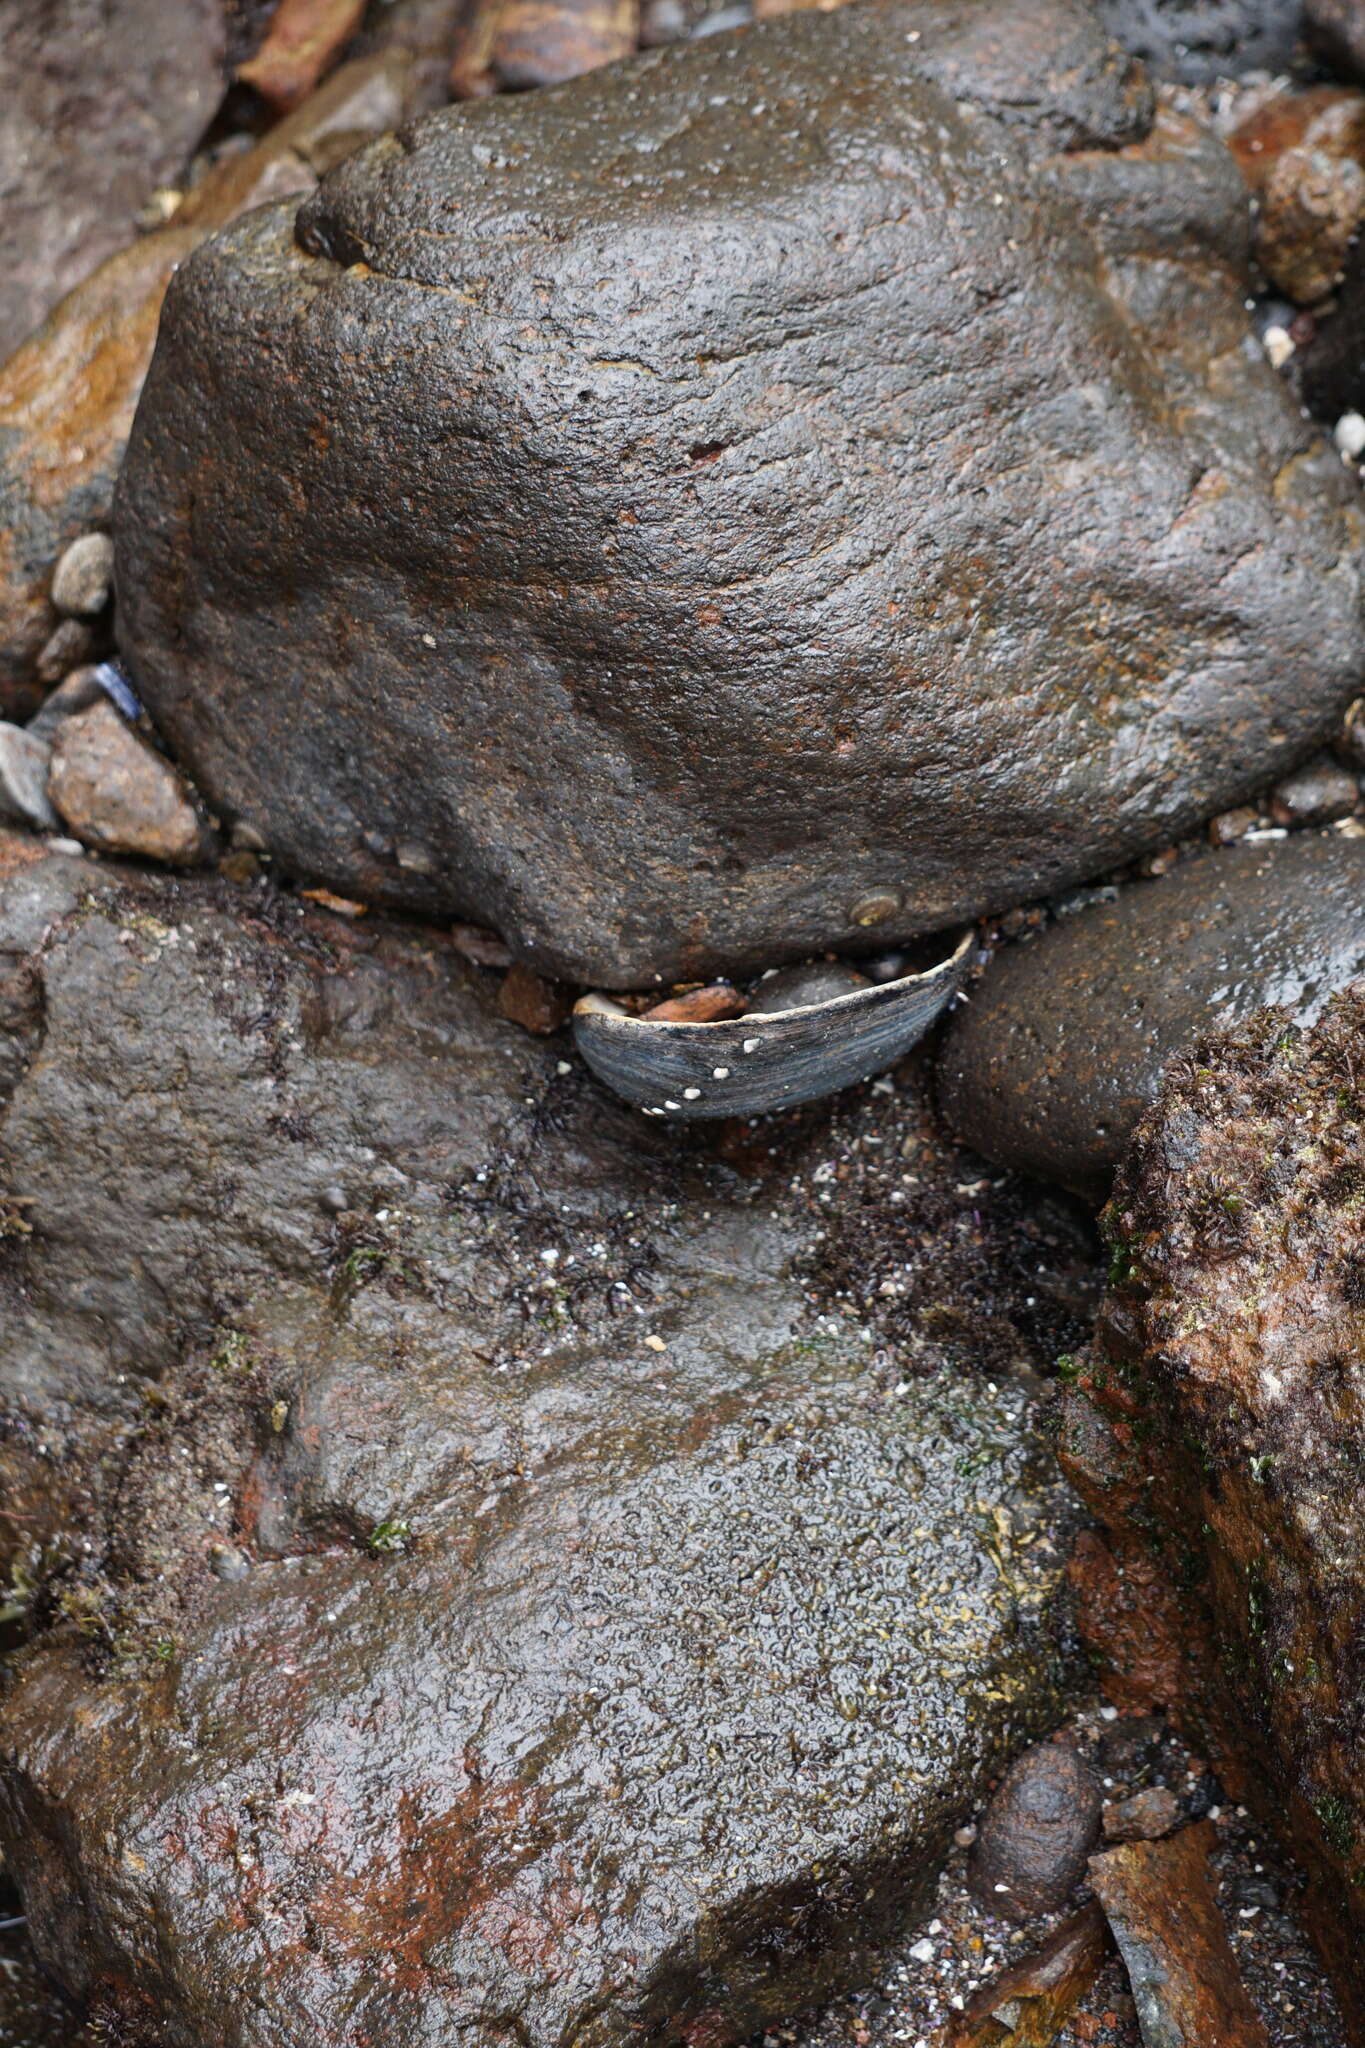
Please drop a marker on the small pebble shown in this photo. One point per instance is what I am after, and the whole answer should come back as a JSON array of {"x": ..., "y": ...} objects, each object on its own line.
[
  {"x": 23, "y": 779},
  {"x": 1349, "y": 435},
  {"x": 83, "y": 580},
  {"x": 1230, "y": 826},
  {"x": 1036, "y": 1833},
  {"x": 119, "y": 796},
  {"x": 80, "y": 690},
  {"x": 227, "y": 1562},
  {"x": 1145, "y": 1817},
  {"x": 70, "y": 645},
  {"x": 1315, "y": 794}
]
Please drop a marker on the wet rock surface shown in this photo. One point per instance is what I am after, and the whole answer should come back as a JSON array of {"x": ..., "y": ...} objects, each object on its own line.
[
  {"x": 1216, "y": 1423},
  {"x": 68, "y": 394},
  {"x": 1037, "y": 1832},
  {"x": 1199, "y": 40},
  {"x": 526, "y": 1590},
  {"x": 1062, "y": 1044},
  {"x": 101, "y": 105},
  {"x": 118, "y": 795},
  {"x": 826, "y": 621}
]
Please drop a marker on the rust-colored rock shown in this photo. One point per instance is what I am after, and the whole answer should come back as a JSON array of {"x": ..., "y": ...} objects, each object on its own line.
[
  {"x": 1217, "y": 1424},
  {"x": 1027, "y": 2006},
  {"x": 1036, "y": 1833},
  {"x": 120, "y": 796},
  {"x": 719, "y": 999},
  {"x": 1128, "y": 1621},
  {"x": 533, "y": 1002},
  {"x": 68, "y": 395},
  {"x": 1143, "y": 1817},
  {"x": 512, "y": 44},
  {"x": 1303, "y": 155},
  {"x": 304, "y": 40},
  {"x": 102, "y": 102},
  {"x": 1161, "y": 1904}
]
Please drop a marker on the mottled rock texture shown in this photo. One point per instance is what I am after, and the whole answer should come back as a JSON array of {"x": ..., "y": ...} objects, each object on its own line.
[
  {"x": 653, "y": 515},
  {"x": 1216, "y": 1424},
  {"x": 1063, "y": 1042},
  {"x": 1199, "y": 40},
  {"x": 527, "y": 1596},
  {"x": 102, "y": 103},
  {"x": 67, "y": 396}
]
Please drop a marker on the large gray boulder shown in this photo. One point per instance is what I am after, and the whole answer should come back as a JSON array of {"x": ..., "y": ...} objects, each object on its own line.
[
  {"x": 494, "y": 1577},
  {"x": 800, "y": 489}
]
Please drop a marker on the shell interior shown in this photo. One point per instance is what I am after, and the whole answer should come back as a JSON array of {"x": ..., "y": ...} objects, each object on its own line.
[{"x": 747, "y": 1065}]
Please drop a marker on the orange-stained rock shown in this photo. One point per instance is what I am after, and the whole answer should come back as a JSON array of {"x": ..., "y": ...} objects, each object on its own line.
[
  {"x": 512, "y": 44},
  {"x": 119, "y": 795},
  {"x": 68, "y": 394},
  {"x": 1219, "y": 1425},
  {"x": 304, "y": 40}
]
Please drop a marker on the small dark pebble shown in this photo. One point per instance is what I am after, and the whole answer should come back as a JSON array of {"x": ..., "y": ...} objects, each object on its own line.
[{"x": 1036, "y": 1833}]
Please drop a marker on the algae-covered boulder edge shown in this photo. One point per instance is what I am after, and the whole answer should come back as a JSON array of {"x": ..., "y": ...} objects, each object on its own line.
[
  {"x": 1217, "y": 1423},
  {"x": 662, "y": 515}
]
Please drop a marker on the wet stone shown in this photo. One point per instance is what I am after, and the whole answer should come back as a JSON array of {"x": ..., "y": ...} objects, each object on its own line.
[
  {"x": 1336, "y": 30},
  {"x": 1065, "y": 1037},
  {"x": 1036, "y": 1833},
  {"x": 83, "y": 579},
  {"x": 625, "y": 1633},
  {"x": 1197, "y": 41},
  {"x": 745, "y": 526},
  {"x": 24, "y": 760},
  {"x": 119, "y": 795},
  {"x": 1144, "y": 1816},
  {"x": 1316, "y": 794},
  {"x": 69, "y": 646},
  {"x": 1214, "y": 1425}
]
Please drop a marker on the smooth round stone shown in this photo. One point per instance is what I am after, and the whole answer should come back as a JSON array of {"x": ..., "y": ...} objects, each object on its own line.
[
  {"x": 1063, "y": 1043},
  {"x": 796, "y": 988}
]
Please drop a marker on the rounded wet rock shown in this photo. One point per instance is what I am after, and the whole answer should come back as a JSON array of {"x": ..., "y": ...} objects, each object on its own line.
[
  {"x": 1065, "y": 1038},
  {"x": 1036, "y": 1833},
  {"x": 825, "y": 619}
]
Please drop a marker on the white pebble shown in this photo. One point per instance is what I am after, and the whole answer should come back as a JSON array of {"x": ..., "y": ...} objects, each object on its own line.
[
  {"x": 1278, "y": 346},
  {"x": 1349, "y": 434},
  {"x": 923, "y": 1951}
]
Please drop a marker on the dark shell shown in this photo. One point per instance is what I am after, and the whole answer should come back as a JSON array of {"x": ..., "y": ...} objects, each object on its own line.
[{"x": 747, "y": 1065}]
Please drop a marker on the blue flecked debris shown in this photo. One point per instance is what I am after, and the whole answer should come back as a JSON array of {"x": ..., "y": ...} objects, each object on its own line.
[{"x": 114, "y": 682}]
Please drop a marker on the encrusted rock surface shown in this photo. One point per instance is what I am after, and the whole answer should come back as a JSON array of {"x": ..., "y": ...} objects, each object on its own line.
[
  {"x": 492, "y": 1578},
  {"x": 1199, "y": 40},
  {"x": 101, "y": 104},
  {"x": 723, "y": 533},
  {"x": 1063, "y": 1042},
  {"x": 1216, "y": 1423}
]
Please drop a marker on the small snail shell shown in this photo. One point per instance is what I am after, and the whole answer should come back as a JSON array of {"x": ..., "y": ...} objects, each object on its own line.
[{"x": 763, "y": 1061}]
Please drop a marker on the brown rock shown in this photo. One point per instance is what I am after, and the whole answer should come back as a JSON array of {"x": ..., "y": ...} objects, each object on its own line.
[
  {"x": 534, "y": 1003},
  {"x": 1160, "y": 1901},
  {"x": 700, "y": 1005},
  {"x": 1036, "y": 1833},
  {"x": 1143, "y": 1817},
  {"x": 101, "y": 104},
  {"x": 68, "y": 395},
  {"x": 1128, "y": 1620},
  {"x": 304, "y": 40},
  {"x": 70, "y": 645},
  {"x": 1280, "y": 121},
  {"x": 1217, "y": 1425},
  {"x": 1027, "y": 2006},
  {"x": 118, "y": 796},
  {"x": 1230, "y": 826},
  {"x": 484, "y": 949},
  {"x": 512, "y": 44},
  {"x": 1303, "y": 154},
  {"x": 1316, "y": 794}
]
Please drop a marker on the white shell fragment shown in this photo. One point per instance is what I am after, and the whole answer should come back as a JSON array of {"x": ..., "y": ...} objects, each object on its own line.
[{"x": 746, "y": 1066}]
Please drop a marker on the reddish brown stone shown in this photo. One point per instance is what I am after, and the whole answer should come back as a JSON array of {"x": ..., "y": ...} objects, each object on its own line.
[
  {"x": 1036, "y": 1832},
  {"x": 120, "y": 796},
  {"x": 305, "y": 38},
  {"x": 512, "y": 44},
  {"x": 536, "y": 1004},
  {"x": 1217, "y": 1429},
  {"x": 700, "y": 1005},
  {"x": 1162, "y": 1907},
  {"x": 1027, "y": 2006},
  {"x": 1144, "y": 1817}
]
